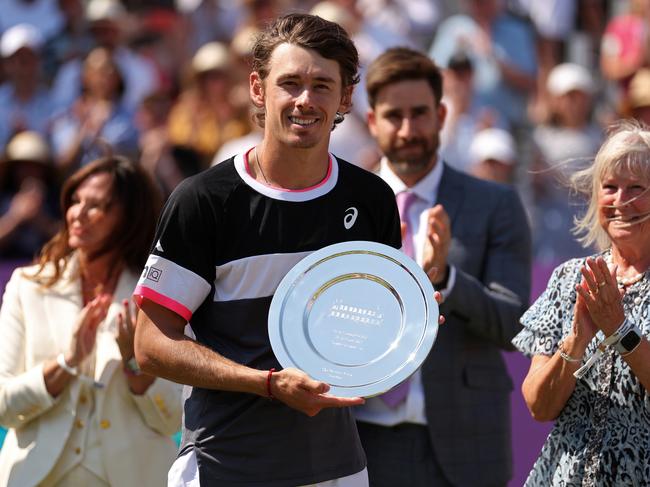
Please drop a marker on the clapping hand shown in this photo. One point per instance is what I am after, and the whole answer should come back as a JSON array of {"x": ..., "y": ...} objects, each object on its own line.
[
  {"x": 601, "y": 296},
  {"x": 584, "y": 327},
  {"x": 85, "y": 333},
  {"x": 125, "y": 331},
  {"x": 436, "y": 247}
]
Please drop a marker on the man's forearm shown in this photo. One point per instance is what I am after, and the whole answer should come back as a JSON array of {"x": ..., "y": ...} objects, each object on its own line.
[{"x": 163, "y": 350}]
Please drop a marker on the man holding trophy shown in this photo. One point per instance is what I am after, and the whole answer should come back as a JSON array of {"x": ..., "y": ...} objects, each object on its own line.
[{"x": 225, "y": 240}]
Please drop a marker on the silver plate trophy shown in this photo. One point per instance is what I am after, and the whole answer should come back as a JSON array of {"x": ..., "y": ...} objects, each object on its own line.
[{"x": 358, "y": 315}]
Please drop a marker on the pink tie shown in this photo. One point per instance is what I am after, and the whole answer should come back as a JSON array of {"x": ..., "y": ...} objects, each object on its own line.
[{"x": 405, "y": 199}]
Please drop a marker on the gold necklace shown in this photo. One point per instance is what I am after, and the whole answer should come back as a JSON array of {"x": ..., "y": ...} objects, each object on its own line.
[{"x": 257, "y": 161}]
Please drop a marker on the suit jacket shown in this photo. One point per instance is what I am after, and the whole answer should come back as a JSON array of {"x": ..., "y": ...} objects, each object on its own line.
[
  {"x": 36, "y": 324},
  {"x": 465, "y": 381}
]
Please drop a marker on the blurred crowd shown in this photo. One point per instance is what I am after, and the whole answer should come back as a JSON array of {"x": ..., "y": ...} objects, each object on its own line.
[{"x": 530, "y": 86}]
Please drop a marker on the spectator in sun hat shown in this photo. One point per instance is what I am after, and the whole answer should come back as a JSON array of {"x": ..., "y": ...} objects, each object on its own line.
[
  {"x": 28, "y": 196},
  {"x": 565, "y": 142},
  {"x": 494, "y": 155},
  {"x": 25, "y": 102},
  {"x": 567, "y": 77},
  {"x": 205, "y": 115},
  {"x": 106, "y": 19},
  {"x": 570, "y": 130}
]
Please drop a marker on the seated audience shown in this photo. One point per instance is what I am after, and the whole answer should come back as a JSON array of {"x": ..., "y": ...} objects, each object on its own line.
[
  {"x": 98, "y": 113},
  {"x": 204, "y": 117},
  {"x": 25, "y": 102},
  {"x": 108, "y": 21}
]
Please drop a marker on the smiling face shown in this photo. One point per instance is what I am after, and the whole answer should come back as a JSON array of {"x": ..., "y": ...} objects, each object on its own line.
[
  {"x": 92, "y": 216},
  {"x": 300, "y": 96},
  {"x": 406, "y": 123},
  {"x": 624, "y": 207}
]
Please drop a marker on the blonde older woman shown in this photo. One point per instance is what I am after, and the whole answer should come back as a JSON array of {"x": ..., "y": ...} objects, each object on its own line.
[{"x": 588, "y": 333}]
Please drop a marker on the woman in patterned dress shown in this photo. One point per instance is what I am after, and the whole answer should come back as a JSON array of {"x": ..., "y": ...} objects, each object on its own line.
[{"x": 593, "y": 322}]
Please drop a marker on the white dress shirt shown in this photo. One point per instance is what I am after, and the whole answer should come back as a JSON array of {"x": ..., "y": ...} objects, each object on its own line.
[{"x": 411, "y": 410}]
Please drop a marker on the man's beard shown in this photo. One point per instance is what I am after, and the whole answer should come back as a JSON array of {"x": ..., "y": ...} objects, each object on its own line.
[{"x": 415, "y": 163}]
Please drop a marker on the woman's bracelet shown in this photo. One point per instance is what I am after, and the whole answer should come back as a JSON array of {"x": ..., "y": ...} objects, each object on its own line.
[
  {"x": 73, "y": 371},
  {"x": 565, "y": 356},
  {"x": 60, "y": 360},
  {"x": 131, "y": 367}
]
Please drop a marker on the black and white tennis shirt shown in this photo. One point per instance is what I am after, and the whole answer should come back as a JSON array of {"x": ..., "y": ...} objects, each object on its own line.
[{"x": 223, "y": 244}]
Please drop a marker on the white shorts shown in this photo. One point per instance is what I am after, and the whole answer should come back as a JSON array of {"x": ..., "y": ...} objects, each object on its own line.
[{"x": 185, "y": 473}]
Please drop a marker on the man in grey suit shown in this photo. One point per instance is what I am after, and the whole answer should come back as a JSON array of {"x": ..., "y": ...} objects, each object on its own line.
[{"x": 449, "y": 424}]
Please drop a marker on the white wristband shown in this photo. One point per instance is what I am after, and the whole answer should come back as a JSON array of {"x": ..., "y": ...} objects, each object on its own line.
[
  {"x": 608, "y": 342},
  {"x": 60, "y": 360}
]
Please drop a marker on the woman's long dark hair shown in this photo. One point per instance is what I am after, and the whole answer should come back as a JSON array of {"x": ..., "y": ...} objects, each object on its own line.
[{"x": 139, "y": 202}]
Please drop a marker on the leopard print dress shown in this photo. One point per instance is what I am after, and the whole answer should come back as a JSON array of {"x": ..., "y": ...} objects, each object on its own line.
[{"x": 602, "y": 436}]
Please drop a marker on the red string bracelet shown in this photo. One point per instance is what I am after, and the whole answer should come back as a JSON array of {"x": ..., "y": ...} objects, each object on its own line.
[{"x": 268, "y": 384}]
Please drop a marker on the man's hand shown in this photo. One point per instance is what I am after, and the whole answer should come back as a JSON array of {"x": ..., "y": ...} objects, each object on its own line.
[
  {"x": 298, "y": 391},
  {"x": 436, "y": 247}
]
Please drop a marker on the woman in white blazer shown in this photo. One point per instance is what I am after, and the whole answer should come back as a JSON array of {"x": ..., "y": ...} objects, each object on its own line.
[{"x": 79, "y": 411}]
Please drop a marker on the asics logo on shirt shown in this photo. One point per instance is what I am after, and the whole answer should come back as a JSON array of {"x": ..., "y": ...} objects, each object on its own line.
[{"x": 350, "y": 217}]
